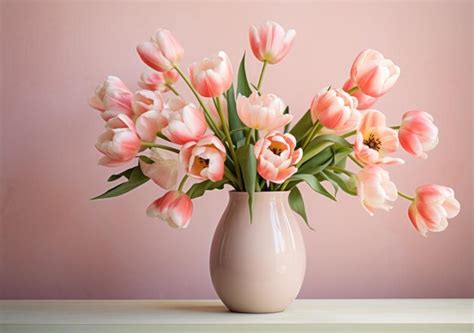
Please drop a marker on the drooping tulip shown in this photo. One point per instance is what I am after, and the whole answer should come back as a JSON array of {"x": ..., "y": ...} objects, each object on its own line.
[
  {"x": 270, "y": 42},
  {"x": 212, "y": 76},
  {"x": 364, "y": 101},
  {"x": 277, "y": 156},
  {"x": 375, "y": 140},
  {"x": 149, "y": 124},
  {"x": 335, "y": 109},
  {"x": 163, "y": 170},
  {"x": 162, "y": 52},
  {"x": 204, "y": 159},
  {"x": 112, "y": 97},
  {"x": 119, "y": 143},
  {"x": 264, "y": 112},
  {"x": 185, "y": 124},
  {"x": 373, "y": 74},
  {"x": 375, "y": 189},
  {"x": 433, "y": 205},
  {"x": 418, "y": 134},
  {"x": 174, "y": 208},
  {"x": 161, "y": 81}
]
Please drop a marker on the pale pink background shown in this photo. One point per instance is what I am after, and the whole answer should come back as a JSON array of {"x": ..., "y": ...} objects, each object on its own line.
[{"x": 55, "y": 243}]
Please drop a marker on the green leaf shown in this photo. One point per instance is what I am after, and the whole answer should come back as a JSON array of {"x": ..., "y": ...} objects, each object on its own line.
[
  {"x": 146, "y": 159},
  {"x": 234, "y": 121},
  {"x": 287, "y": 126},
  {"x": 125, "y": 174},
  {"x": 248, "y": 165},
  {"x": 302, "y": 126},
  {"x": 320, "y": 143},
  {"x": 322, "y": 178},
  {"x": 136, "y": 179},
  {"x": 346, "y": 183},
  {"x": 340, "y": 156},
  {"x": 318, "y": 163},
  {"x": 243, "y": 87},
  {"x": 314, "y": 183},
  {"x": 295, "y": 199},
  {"x": 198, "y": 189}
]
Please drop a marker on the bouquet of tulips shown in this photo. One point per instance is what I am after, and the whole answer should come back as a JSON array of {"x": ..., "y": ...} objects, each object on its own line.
[{"x": 242, "y": 136}]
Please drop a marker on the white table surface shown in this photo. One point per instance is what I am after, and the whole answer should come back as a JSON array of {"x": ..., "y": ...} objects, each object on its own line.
[{"x": 401, "y": 315}]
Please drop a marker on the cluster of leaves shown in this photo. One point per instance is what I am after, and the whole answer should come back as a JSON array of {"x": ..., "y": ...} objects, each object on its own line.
[{"x": 323, "y": 161}]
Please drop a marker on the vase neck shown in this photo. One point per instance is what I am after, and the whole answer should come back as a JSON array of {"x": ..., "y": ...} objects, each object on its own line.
[{"x": 260, "y": 196}]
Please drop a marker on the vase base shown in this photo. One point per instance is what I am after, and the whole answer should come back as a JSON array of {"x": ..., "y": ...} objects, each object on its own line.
[{"x": 256, "y": 311}]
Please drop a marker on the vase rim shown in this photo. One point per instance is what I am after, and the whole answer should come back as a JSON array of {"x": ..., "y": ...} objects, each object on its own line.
[{"x": 261, "y": 193}]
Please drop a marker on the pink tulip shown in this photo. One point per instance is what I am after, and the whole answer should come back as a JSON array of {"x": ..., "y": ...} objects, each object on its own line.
[
  {"x": 212, "y": 76},
  {"x": 418, "y": 134},
  {"x": 264, "y": 112},
  {"x": 213, "y": 111},
  {"x": 149, "y": 124},
  {"x": 161, "y": 81},
  {"x": 364, "y": 101},
  {"x": 162, "y": 53},
  {"x": 277, "y": 156},
  {"x": 185, "y": 124},
  {"x": 270, "y": 42},
  {"x": 373, "y": 74},
  {"x": 146, "y": 100},
  {"x": 204, "y": 159},
  {"x": 335, "y": 109},
  {"x": 433, "y": 205},
  {"x": 119, "y": 143},
  {"x": 111, "y": 98},
  {"x": 163, "y": 171},
  {"x": 173, "y": 104},
  {"x": 375, "y": 189},
  {"x": 374, "y": 140},
  {"x": 174, "y": 208}
]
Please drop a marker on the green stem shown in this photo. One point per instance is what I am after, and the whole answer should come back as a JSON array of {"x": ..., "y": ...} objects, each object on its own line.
[
  {"x": 348, "y": 134},
  {"x": 353, "y": 90},
  {"x": 211, "y": 123},
  {"x": 316, "y": 127},
  {"x": 406, "y": 196},
  {"x": 154, "y": 145},
  {"x": 395, "y": 127},
  {"x": 182, "y": 182},
  {"x": 249, "y": 136},
  {"x": 229, "y": 139},
  {"x": 161, "y": 136},
  {"x": 260, "y": 78},
  {"x": 230, "y": 176},
  {"x": 170, "y": 87},
  {"x": 355, "y": 161},
  {"x": 341, "y": 170},
  {"x": 284, "y": 185}
]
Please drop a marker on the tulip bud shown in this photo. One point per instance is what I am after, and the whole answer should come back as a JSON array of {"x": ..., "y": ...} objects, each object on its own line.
[
  {"x": 418, "y": 134},
  {"x": 212, "y": 76},
  {"x": 432, "y": 206},
  {"x": 174, "y": 208},
  {"x": 162, "y": 53},
  {"x": 373, "y": 74},
  {"x": 270, "y": 42}
]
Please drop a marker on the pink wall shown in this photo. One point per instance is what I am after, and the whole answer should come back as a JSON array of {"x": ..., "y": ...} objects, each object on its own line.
[{"x": 55, "y": 243}]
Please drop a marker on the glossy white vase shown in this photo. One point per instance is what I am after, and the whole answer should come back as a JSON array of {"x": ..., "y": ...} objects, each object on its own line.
[{"x": 258, "y": 267}]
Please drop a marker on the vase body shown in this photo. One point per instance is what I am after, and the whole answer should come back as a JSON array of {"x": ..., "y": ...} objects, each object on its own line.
[{"x": 258, "y": 267}]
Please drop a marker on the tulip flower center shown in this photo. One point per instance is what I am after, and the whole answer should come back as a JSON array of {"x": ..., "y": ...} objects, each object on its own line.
[
  {"x": 201, "y": 163},
  {"x": 277, "y": 148},
  {"x": 373, "y": 142}
]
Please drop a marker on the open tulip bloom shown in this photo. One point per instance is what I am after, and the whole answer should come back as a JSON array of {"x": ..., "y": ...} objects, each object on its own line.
[{"x": 241, "y": 136}]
